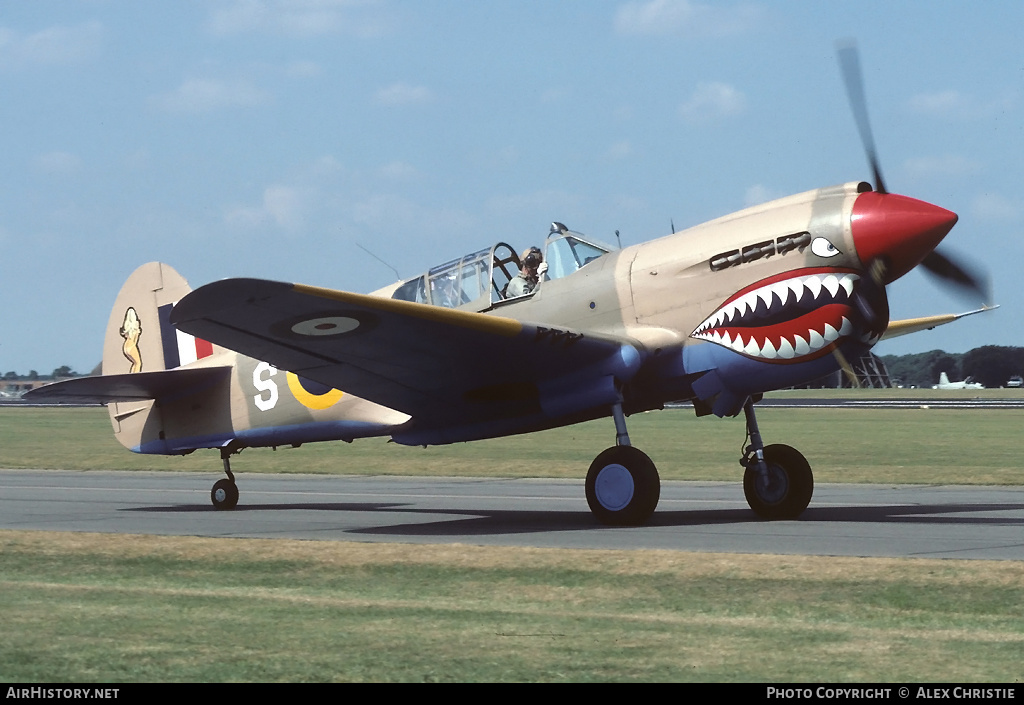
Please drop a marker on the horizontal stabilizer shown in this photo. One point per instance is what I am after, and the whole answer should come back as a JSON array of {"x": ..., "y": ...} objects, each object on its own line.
[{"x": 138, "y": 386}]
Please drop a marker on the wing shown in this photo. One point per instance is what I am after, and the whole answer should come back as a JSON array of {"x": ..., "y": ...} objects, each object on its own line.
[
  {"x": 103, "y": 389},
  {"x": 913, "y": 325},
  {"x": 441, "y": 366}
]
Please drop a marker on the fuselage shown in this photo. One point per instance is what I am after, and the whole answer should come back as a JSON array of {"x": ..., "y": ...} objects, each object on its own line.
[{"x": 765, "y": 298}]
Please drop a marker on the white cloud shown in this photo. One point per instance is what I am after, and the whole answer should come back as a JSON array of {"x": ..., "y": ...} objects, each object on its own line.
[
  {"x": 391, "y": 213},
  {"x": 508, "y": 155},
  {"x": 300, "y": 18},
  {"x": 955, "y": 105},
  {"x": 204, "y": 95},
  {"x": 51, "y": 46},
  {"x": 991, "y": 206},
  {"x": 758, "y": 194},
  {"x": 620, "y": 150},
  {"x": 303, "y": 69},
  {"x": 945, "y": 165},
  {"x": 325, "y": 167},
  {"x": 686, "y": 17},
  {"x": 547, "y": 201},
  {"x": 137, "y": 160},
  {"x": 940, "y": 102},
  {"x": 555, "y": 95},
  {"x": 497, "y": 157},
  {"x": 403, "y": 94},
  {"x": 713, "y": 100},
  {"x": 281, "y": 206},
  {"x": 630, "y": 203},
  {"x": 57, "y": 163},
  {"x": 398, "y": 171}
]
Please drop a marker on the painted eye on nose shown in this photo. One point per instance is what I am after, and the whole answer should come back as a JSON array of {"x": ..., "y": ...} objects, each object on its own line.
[{"x": 823, "y": 248}]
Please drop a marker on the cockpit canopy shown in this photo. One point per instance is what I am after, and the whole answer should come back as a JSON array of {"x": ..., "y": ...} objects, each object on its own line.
[{"x": 479, "y": 280}]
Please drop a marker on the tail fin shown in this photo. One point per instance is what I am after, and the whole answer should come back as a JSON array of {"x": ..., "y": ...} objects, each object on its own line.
[
  {"x": 141, "y": 339},
  {"x": 142, "y": 354},
  {"x": 139, "y": 335},
  {"x": 943, "y": 378}
]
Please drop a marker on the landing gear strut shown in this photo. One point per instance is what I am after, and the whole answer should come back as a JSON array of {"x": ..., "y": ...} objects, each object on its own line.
[
  {"x": 622, "y": 484},
  {"x": 778, "y": 482},
  {"x": 224, "y": 494}
]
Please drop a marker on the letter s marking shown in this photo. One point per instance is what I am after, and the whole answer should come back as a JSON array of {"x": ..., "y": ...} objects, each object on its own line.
[{"x": 265, "y": 386}]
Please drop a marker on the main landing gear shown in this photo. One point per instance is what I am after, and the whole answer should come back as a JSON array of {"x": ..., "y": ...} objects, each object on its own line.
[
  {"x": 622, "y": 484},
  {"x": 778, "y": 482},
  {"x": 623, "y": 487},
  {"x": 224, "y": 494}
]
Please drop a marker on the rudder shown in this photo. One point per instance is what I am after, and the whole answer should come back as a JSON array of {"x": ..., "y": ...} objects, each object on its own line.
[{"x": 139, "y": 336}]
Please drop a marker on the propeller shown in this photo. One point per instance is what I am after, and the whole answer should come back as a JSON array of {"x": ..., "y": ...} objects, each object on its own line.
[
  {"x": 853, "y": 79},
  {"x": 871, "y": 305},
  {"x": 968, "y": 281},
  {"x": 963, "y": 279}
]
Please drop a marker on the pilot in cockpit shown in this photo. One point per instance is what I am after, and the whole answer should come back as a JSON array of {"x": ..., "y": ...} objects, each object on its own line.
[{"x": 531, "y": 272}]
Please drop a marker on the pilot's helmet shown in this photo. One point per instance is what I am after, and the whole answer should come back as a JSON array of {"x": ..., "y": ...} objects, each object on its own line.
[{"x": 532, "y": 257}]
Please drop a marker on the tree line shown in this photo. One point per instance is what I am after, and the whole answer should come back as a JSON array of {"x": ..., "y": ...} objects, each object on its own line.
[
  {"x": 991, "y": 365},
  {"x": 60, "y": 373}
]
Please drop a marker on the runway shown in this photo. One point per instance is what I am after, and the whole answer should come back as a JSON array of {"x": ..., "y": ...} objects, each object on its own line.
[
  {"x": 786, "y": 402},
  {"x": 847, "y": 520}
]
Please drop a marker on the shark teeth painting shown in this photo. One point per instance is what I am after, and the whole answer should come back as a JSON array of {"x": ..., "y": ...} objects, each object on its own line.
[{"x": 788, "y": 318}]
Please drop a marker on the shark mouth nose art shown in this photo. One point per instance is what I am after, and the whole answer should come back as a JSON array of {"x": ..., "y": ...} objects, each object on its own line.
[{"x": 791, "y": 317}]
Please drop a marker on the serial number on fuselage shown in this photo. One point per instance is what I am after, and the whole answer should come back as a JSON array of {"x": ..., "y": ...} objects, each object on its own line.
[{"x": 760, "y": 250}]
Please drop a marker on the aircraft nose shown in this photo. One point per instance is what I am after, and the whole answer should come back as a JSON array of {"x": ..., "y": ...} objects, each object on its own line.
[{"x": 899, "y": 229}]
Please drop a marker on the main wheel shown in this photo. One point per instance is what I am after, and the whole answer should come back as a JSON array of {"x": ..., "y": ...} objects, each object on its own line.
[
  {"x": 623, "y": 487},
  {"x": 224, "y": 494},
  {"x": 786, "y": 490}
]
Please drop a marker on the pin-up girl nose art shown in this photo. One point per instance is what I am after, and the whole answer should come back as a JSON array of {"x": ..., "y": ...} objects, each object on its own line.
[{"x": 131, "y": 331}]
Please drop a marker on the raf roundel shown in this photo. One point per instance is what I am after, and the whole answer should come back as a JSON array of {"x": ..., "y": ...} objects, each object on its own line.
[{"x": 326, "y": 325}]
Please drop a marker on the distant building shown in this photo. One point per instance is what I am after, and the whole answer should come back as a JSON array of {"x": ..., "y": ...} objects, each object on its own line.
[{"x": 14, "y": 388}]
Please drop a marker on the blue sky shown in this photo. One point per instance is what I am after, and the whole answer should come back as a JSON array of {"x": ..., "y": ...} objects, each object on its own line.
[{"x": 272, "y": 138}]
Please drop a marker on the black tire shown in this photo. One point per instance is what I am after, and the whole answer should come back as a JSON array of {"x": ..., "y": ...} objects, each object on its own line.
[
  {"x": 224, "y": 494},
  {"x": 623, "y": 487},
  {"x": 789, "y": 488}
]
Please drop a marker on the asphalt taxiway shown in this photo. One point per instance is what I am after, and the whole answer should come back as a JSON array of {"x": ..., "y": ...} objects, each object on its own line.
[
  {"x": 848, "y": 520},
  {"x": 783, "y": 401}
]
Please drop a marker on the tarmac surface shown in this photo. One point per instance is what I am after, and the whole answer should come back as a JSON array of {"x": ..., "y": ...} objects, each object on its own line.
[
  {"x": 968, "y": 522},
  {"x": 786, "y": 402}
]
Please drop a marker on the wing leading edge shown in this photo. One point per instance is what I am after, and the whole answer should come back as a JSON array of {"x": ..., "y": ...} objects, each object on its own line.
[
  {"x": 446, "y": 368},
  {"x": 914, "y": 325}
]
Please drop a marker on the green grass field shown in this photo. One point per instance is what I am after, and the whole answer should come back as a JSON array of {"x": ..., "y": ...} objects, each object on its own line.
[
  {"x": 103, "y": 608},
  {"x": 928, "y": 446},
  {"x": 91, "y": 608}
]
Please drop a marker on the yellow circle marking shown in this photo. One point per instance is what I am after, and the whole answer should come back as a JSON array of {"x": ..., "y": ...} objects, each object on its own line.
[{"x": 310, "y": 400}]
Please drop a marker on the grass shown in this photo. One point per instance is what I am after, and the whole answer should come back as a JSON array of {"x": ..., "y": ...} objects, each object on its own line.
[
  {"x": 97, "y": 608},
  {"x": 924, "y": 446}
]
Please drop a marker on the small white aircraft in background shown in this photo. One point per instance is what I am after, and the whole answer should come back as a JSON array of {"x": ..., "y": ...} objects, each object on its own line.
[{"x": 944, "y": 383}]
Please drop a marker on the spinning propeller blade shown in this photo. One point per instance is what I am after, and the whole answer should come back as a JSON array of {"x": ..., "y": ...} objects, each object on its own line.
[
  {"x": 941, "y": 266},
  {"x": 955, "y": 273},
  {"x": 849, "y": 62}
]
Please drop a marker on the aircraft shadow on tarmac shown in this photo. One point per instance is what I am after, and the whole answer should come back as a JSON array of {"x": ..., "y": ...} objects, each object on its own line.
[{"x": 472, "y": 522}]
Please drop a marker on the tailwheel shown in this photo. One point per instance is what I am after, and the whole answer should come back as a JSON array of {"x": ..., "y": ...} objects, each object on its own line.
[
  {"x": 784, "y": 488},
  {"x": 224, "y": 494},
  {"x": 623, "y": 487}
]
